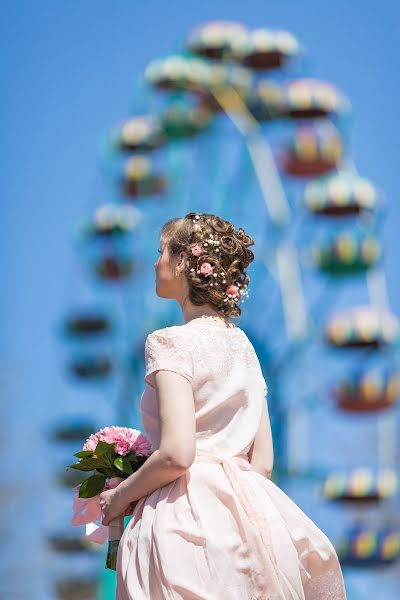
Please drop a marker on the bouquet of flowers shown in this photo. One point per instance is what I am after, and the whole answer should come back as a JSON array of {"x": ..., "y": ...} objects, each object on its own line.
[{"x": 113, "y": 453}]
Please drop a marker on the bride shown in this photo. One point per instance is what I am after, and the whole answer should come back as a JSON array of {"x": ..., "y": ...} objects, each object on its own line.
[{"x": 208, "y": 523}]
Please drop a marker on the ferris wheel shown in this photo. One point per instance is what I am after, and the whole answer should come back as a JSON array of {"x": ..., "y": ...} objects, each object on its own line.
[{"x": 234, "y": 124}]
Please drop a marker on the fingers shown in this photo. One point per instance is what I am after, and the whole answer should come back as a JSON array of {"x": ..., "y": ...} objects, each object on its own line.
[{"x": 104, "y": 521}]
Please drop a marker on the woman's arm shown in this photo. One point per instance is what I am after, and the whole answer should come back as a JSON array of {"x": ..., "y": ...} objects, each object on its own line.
[
  {"x": 261, "y": 453},
  {"x": 178, "y": 441}
]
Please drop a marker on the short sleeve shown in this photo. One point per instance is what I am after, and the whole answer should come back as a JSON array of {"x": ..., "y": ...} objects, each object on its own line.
[
  {"x": 265, "y": 387},
  {"x": 166, "y": 350}
]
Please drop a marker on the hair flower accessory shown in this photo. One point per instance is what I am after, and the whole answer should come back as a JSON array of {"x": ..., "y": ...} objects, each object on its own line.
[
  {"x": 232, "y": 291},
  {"x": 243, "y": 292},
  {"x": 236, "y": 293},
  {"x": 206, "y": 268},
  {"x": 196, "y": 250}
]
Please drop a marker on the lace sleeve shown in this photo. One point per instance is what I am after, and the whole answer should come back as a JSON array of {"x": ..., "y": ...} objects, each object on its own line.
[{"x": 166, "y": 350}]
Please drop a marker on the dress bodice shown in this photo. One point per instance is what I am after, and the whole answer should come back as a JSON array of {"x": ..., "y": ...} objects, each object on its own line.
[{"x": 229, "y": 389}]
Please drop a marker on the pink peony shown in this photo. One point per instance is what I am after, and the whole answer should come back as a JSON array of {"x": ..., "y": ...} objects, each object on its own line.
[
  {"x": 206, "y": 268},
  {"x": 196, "y": 250},
  {"x": 232, "y": 289},
  {"x": 129, "y": 440}
]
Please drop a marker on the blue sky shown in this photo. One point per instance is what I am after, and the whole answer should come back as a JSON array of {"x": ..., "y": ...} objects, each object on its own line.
[{"x": 68, "y": 73}]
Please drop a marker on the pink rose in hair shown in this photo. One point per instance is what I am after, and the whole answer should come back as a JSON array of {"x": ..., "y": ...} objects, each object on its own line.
[
  {"x": 196, "y": 250},
  {"x": 232, "y": 289},
  {"x": 206, "y": 268}
]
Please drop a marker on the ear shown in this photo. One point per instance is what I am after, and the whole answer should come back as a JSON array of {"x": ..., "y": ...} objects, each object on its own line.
[{"x": 181, "y": 264}]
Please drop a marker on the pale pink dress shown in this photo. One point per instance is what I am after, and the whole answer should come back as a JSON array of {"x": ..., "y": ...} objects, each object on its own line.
[{"x": 220, "y": 531}]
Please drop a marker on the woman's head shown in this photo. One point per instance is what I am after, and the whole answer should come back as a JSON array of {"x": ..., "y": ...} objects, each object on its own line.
[{"x": 204, "y": 257}]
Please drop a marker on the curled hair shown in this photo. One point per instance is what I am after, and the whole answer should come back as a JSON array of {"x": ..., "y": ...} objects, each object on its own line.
[{"x": 225, "y": 249}]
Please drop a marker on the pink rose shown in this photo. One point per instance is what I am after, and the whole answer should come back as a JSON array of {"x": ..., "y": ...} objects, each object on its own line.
[
  {"x": 206, "y": 268},
  {"x": 232, "y": 289},
  {"x": 196, "y": 250},
  {"x": 129, "y": 440}
]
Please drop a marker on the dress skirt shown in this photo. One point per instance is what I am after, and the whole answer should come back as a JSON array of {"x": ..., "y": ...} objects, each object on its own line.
[{"x": 222, "y": 531}]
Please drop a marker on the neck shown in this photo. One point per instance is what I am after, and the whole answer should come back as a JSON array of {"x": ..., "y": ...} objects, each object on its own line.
[{"x": 195, "y": 312}]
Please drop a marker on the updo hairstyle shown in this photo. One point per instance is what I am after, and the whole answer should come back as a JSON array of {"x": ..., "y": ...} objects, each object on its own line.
[{"x": 217, "y": 259}]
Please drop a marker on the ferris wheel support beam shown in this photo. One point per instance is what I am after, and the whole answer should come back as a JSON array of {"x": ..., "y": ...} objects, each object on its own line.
[
  {"x": 260, "y": 154},
  {"x": 387, "y": 423},
  {"x": 293, "y": 298},
  {"x": 378, "y": 297},
  {"x": 274, "y": 196},
  {"x": 377, "y": 289}
]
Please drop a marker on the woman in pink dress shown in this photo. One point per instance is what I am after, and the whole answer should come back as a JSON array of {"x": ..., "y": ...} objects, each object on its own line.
[{"x": 208, "y": 523}]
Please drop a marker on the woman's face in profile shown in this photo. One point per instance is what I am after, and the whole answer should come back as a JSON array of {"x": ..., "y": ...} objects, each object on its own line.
[{"x": 167, "y": 283}]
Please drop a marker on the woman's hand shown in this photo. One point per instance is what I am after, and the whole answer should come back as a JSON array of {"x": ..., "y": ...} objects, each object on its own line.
[{"x": 112, "y": 505}]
